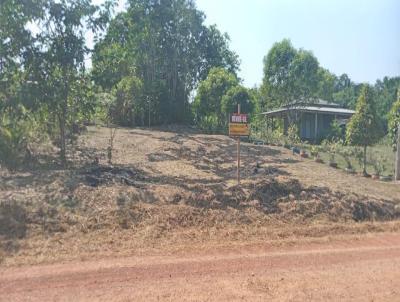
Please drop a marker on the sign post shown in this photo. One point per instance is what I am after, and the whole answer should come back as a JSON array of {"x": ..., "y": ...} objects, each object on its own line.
[
  {"x": 238, "y": 154},
  {"x": 397, "y": 168},
  {"x": 238, "y": 127}
]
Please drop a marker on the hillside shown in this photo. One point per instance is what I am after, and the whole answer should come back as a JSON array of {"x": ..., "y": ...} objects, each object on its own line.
[{"x": 174, "y": 189}]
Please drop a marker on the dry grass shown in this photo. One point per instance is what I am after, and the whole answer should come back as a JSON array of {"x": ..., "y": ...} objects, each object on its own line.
[{"x": 176, "y": 189}]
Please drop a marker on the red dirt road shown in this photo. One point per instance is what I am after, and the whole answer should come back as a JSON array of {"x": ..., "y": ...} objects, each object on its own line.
[{"x": 366, "y": 269}]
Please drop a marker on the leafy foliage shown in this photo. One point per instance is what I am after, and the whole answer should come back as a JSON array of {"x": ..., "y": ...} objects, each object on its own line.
[
  {"x": 129, "y": 102},
  {"x": 234, "y": 96},
  {"x": 166, "y": 45},
  {"x": 293, "y": 134},
  {"x": 290, "y": 75},
  {"x": 394, "y": 120},
  {"x": 208, "y": 101},
  {"x": 336, "y": 132},
  {"x": 364, "y": 128}
]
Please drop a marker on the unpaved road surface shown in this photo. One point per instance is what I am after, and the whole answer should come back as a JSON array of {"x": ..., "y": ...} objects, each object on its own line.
[{"x": 347, "y": 269}]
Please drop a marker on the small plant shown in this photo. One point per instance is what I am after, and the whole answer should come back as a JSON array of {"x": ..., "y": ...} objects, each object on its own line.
[
  {"x": 315, "y": 150},
  {"x": 378, "y": 164},
  {"x": 293, "y": 135},
  {"x": 359, "y": 155},
  {"x": 347, "y": 154},
  {"x": 110, "y": 148},
  {"x": 335, "y": 132},
  {"x": 332, "y": 148}
]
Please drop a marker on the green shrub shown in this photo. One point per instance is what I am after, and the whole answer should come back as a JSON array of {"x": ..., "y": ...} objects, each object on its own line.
[
  {"x": 336, "y": 132},
  {"x": 209, "y": 124},
  {"x": 15, "y": 138},
  {"x": 13, "y": 146},
  {"x": 377, "y": 162},
  {"x": 347, "y": 154},
  {"x": 315, "y": 150}
]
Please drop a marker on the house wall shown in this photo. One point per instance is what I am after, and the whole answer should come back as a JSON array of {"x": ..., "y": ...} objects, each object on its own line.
[{"x": 307, "y": 125}]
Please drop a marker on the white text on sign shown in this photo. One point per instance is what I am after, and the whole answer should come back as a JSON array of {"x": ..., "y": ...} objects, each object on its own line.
[{"x": 239, "y": 118}]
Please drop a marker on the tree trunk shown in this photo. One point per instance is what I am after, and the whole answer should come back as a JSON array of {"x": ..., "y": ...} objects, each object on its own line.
[
  {"x": 365, "y": 161},
  {"x": 397, "y": 174},
  {"x": 61, "y": 120}
]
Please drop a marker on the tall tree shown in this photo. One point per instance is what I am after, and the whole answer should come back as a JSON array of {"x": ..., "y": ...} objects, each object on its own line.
[
  {"x": 208, "y": 100},
  {"x": 59, "y": 60},
  {"x": 17, "y": 89},
  {"x": 234, "y": 96},
  {"x": 129, "y": 102},
  {"x": 364, "y": 128},
  {"x": 394, "y": 119},
  {"x": 326, "y": 84},
  {"x": 290, "y": 75},
  {"x": 386, "y": 90},
  {"x": 394, "y": 131},
  {"x": 166, "y": 45}
]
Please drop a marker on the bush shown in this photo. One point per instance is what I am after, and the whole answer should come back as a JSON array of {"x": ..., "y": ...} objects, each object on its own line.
[
  {"x": 336, "y": 132},
  {"x": 209, "y": 124},
  {"x": 347, "y": 154},
  {"x": 315, "y": 150},
  {"x": 378, "y": 163},
  {"x": 16, "y": 136},
  {"x": 13, "y": 145},
  {"x": 332, "y": 147}
]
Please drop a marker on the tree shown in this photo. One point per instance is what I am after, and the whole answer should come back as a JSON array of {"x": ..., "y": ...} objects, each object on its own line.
[
  {"x": 129, "y": 102},
  {"x": 166, "y": 45},
  {"x": 215, "y": 52},
  {"x": 394, "y": 120},
  {"x": 17, "y": 89},
  {"x": 386, "y": 90},
  {"x": 208, "y": 100},
  {"x": 364, "y": 128},
  {"x": 58, "y": 62},
  {"x": 394, "y": 131},
  {"x": 290, "y": 75},
  {"x": 326, "y": 84},
  {"x": 234, "y": 96}
]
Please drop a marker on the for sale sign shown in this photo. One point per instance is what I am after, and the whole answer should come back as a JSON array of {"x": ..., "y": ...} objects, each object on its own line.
[
  {"x": 237, "y": 118},
  {"x": 238, "y": 125}
]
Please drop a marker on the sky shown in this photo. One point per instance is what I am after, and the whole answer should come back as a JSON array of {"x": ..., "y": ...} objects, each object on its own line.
[{"x": 360, "y": 38}]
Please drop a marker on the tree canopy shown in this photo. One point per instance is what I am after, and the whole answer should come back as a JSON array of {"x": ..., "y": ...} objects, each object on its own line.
[
  {"x": 290, "y": 75},
  {"x": 167, "y": 46},
  {"x": 394, "y": 120},
  {"x": 364, "y": 128}
]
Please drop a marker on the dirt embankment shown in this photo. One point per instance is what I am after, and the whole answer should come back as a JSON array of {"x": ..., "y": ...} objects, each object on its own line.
[{"x": 168, "y": 188}]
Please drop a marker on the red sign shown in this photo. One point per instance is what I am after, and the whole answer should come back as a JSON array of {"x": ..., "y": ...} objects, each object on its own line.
[
  {"x": 238, "y": 125},
  {"x": 237, "y": 118}
]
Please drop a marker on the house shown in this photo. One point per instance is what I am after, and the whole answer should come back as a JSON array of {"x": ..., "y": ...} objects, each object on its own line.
[{"x": 313, "y": 119}]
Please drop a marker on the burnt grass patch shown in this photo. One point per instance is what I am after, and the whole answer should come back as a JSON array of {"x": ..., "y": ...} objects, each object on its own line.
[
  {"x": 13, "y": 220},
  {"x": 97, "y": 175}
]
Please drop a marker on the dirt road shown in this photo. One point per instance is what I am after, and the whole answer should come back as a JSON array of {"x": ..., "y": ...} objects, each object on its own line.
[{"x": 366, "y": 269}]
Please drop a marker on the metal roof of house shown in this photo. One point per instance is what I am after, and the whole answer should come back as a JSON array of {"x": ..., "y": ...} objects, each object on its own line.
[{"x": 311, "y": 108}]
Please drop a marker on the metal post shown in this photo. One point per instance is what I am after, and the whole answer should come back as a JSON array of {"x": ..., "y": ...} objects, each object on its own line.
[
  {"x": 149, "y": 112},
  {"x": 238, "y": 154},
  {"x": 316, "y": 127},
  {"x": 397, "y": 174}
]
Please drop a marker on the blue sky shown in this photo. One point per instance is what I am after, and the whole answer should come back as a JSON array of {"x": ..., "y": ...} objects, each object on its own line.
[{"x": 360, "y": 38}]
